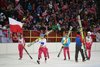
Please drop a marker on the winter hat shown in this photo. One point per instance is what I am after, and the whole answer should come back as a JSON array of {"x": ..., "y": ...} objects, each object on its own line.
[{"x": 89, "y": 32}]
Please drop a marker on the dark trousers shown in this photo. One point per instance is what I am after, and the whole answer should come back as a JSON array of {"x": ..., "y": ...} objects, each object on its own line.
[{"x": 78, "y": 48}]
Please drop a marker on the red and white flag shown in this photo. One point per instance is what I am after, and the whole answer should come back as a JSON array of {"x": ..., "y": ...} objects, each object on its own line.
[{"x": 15, "y": 26}]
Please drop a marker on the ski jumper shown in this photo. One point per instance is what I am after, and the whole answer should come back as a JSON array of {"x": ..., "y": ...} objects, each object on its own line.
[
  {"x": 66, "y": 43},
  {"x": 88, "y": 45},
  {"x": 42, "y": 49}
]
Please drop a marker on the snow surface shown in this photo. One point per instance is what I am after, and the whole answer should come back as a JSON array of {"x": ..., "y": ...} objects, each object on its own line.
[{"x": 11, "y": 60}]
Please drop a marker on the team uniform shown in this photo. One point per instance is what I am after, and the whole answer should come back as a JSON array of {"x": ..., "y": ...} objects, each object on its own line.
[
  {"x": 42, "y": 49},
  {"x": 88, "y": 44},
  {"x": 21, "y": 44},
  {"x": 66, "y": 43},
  {"x": 78, "y": 48}
]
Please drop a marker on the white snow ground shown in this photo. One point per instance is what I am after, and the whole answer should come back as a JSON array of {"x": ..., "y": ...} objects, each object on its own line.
[{"x": 11, "y": 60}]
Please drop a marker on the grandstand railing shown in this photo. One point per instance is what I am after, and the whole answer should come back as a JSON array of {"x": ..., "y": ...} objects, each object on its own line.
[{"x": 30, "y": 36}]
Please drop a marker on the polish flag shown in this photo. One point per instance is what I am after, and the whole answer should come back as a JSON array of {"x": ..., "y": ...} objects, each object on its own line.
[{"x": 15, "y": 26}]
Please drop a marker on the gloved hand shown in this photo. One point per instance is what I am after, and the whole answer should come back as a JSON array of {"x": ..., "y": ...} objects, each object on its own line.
[{"x": 62, "y": 46}]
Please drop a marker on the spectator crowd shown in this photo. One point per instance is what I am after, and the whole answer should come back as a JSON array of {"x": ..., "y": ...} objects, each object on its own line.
[{"x": 42, "y": 14}]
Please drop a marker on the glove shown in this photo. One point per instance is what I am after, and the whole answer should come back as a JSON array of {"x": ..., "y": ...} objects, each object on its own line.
[{"x": 62, "y": 46}]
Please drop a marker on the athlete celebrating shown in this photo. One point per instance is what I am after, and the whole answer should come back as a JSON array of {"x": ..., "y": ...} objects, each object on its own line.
[
  {"x": 66, "y": 42},
  {"x": 42, "y": 49},
  {"x": 89, "y": 44}
]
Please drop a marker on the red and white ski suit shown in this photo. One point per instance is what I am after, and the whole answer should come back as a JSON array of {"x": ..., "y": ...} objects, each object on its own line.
[
  {"x": 21, "y": 44},
  {"x": 43, "y": 49},
  {"x": 88, "y": 45}
]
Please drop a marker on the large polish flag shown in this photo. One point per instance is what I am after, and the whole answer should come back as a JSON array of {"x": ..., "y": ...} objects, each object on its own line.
[{"x": 15, "y": 26}]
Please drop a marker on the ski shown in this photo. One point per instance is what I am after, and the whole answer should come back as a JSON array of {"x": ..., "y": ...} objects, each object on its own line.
[
  {"x": 28, "y": 53},
  {"x": 60, "y": 51}
]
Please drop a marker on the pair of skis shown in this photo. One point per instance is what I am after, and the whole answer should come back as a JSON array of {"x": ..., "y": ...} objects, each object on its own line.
[
  {"x": 48, "y": 32},
  {"x": 38, "y": 38},
  {"x": 81, "y": 30},
  {"x": 70, "y": 30}
]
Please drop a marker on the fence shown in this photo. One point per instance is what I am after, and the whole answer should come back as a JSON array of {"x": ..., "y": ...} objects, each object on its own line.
[{"x": 54, "y": 36}]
